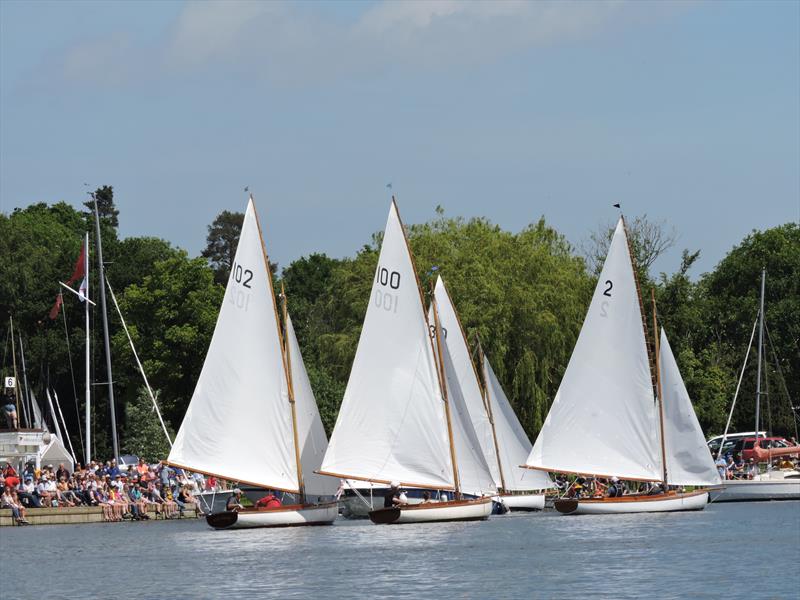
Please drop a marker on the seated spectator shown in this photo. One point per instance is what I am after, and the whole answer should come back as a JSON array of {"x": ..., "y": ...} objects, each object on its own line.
[
  {"x": 141, "y": 468},
  {"x": 27, "y": 493},
  {"x": 62, "y": 472},
  {"x": 10, "y": 475},
  {"x": 9, "y": 500},
  {"x": 46, "y": 492}
]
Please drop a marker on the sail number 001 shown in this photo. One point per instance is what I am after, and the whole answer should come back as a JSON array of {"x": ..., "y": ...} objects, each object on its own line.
[
  {"x": 240, "y": 298},
  {"x": 386, "y": 299}
]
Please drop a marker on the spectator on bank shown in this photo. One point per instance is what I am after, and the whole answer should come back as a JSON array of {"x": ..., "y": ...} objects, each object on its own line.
[
  {"x": 10, "y": 500},
  {"x": 27, "y": 494},
  {"x": 9, "y": 409}
]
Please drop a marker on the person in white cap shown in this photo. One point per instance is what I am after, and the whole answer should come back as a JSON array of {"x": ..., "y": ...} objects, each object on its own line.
[
  {"x": 234, "y": 502},
  {"x": 392, "y": 496}
]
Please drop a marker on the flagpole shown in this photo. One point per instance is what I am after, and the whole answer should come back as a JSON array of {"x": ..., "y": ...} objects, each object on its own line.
[{"x": 87, "y": 457}]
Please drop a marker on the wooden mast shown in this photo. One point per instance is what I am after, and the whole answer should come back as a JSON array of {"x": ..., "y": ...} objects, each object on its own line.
[
  {"x": 658, "y": 388},
  {"x": 488, "y": 406},
  {"x": 292, "y": 401},
  {"x": 437, "y": 356},
  {"x": 443, "y": 381},
  {"x": 652, "y": 363},
  {"x": 284, "y": 357}
]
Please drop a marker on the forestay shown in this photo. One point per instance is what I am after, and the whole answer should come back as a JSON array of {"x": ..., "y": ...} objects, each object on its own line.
[
  {"x": 689, "y": 460},
  {"x": 310, "y": 432},
  {"x": 391, "y": 425},
  {"x": 238, "y": 424},
  {"x": 601, "y": 420},
  {"x": 466, "y": 376},
  {"x": 474, "y": 474},
  {"x": 512, "y": 441}
]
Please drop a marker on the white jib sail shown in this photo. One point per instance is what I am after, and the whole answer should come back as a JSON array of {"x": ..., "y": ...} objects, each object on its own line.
[
  {"x": 512, "y": 440},
  {"x": 601, "y": 420},
  {"x": 238, "y": 424},
  {"x": 466, "y": 376},
  {"x": 391, "y": 425},
  {"x": 689, "y": 460},
  {"x": 473, "y": 470},
  {"x": 310, "y": 432}
]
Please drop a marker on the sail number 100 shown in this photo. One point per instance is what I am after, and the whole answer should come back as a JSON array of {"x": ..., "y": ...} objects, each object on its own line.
[{"x": 386, "y": 298}]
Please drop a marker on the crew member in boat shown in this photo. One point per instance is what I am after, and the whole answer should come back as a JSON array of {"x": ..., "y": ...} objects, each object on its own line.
[
  {"x": 234, "y": 503},
  {"x": 268, "y": 501},
  {"x": 615, "y": 489},
  {"x": 393, "y": 496}
]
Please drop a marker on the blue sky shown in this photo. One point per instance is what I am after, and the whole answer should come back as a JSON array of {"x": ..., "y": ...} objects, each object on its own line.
[{"x": 686, "y": 111}]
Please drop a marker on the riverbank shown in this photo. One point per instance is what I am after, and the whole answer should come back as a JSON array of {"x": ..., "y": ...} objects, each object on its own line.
[{"x": 78, "y": 514}]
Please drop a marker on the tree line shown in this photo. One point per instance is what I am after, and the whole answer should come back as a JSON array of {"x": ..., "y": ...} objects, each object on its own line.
[{"x": 525, "y": 294}]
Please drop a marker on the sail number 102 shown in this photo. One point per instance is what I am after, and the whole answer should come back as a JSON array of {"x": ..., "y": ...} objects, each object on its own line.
[
  {"x": 386, "y": 298},
  {"x": 240, "y": 297}
]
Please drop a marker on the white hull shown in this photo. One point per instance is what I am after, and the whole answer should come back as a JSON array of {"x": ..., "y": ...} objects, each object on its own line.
[
  {"x": 523, "y": 502},
  {"x": 285, "y": 516},
  {"x": 672, "y": 502},
  {"x": 750, "y": 490},
  {"x": 456, "y": 510}
]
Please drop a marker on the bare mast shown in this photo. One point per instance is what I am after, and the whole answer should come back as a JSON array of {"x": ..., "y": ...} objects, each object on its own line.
[
  {"x": 760, "y": 350},
  {"x": 101, "y": 279}
]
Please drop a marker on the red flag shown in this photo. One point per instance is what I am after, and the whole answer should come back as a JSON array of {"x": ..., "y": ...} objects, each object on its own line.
[{"x": 77, "y": 273}]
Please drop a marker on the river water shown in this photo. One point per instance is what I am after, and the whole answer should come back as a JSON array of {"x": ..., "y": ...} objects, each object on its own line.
[{"x": 749, "y": 550}]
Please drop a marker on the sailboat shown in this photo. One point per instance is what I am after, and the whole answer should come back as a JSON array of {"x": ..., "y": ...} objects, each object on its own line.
[
  {"x": 252, "y": 418},
  {"x": 774, "y": 484},
  {"x": 501, "y": 437},
  {"x": 608, "y": 421},
  {"x": 402, "y": 419}
]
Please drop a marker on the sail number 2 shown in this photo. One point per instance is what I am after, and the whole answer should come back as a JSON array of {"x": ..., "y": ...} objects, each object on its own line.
[
  {"x": 386, "y": 298},
  {"x": 606, "y": 292},
  {"x": 240, "y": 297}
]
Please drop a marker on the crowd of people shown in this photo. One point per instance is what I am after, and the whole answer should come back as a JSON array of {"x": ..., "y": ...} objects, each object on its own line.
[
  {"x": 733, "y": 466},
  {"x": 127, "y": 492}
]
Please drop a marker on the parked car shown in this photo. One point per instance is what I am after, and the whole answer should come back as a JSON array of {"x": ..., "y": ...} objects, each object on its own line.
[
  {"x": 733, "y": 442},
  {"x": 126, "y": 461},
  {"x": 765, "y": 443}
]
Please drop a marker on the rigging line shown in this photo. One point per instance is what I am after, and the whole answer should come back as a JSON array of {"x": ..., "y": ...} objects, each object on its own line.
[
  {"x": 782, "y": 379},
  {"x": 5, "y": 348},
  {"x": 738, "y": 386},
  {"x": 138, "y": 362},
  {"x": 71, "y": 370}
]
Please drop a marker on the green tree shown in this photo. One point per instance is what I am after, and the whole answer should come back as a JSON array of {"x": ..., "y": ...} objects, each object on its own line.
[
  {"x": 105, "y": 205},
  {"x": 142, "y": 434},
  {"x": 221, "y": 243}
]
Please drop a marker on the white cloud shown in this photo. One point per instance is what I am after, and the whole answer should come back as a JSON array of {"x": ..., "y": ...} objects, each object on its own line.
[{"x": 290, "y": 42}]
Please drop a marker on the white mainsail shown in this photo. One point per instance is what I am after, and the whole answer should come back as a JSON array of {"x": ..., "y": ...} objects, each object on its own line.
[
  {"x": 512, "y": 441},
  {"x": 601, "y": 420},
  {"x": 689, "y": 461},
  {"x": 238, "y": 425},
  {"x": 474, "y": 473},
  {"x": 392, "y": 424},
  {"x": 466, "y": 376},
  {"x": 310, "y": 433}
]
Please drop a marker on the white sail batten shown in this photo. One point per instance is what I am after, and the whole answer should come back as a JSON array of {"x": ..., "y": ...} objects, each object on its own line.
[
  {"x": 512, "y": 441},
  {"x": 473, "y": 469},
  {"x": 310, "y": 432},
  {"x": 601, "y": 420},
  {"x": 238, "y": 424},
  {"x": 466, "y": 377},
  {"x": 689, "y": 461},
  {"x": 392, "y": 424}
]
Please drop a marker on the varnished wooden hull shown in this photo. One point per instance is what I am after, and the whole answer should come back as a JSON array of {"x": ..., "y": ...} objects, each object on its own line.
[
  {"x": 285, "y": 516},
  {"x": 431, "y": 512},
  {"x": 671, "y": 502}
]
